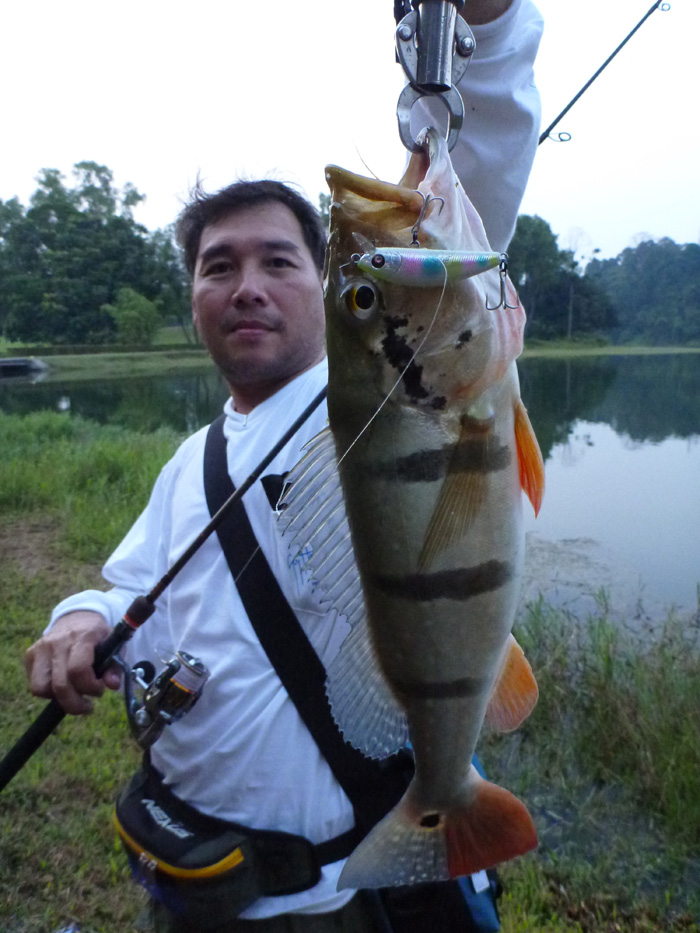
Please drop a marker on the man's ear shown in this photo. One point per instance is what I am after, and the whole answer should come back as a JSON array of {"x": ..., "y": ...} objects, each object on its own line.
[{"x": 195, "y": 316}]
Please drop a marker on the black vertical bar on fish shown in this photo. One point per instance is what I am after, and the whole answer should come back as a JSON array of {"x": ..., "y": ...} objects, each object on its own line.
[
  {"x": 138, "y": 612},
  {"x": 585, "y": 87}
]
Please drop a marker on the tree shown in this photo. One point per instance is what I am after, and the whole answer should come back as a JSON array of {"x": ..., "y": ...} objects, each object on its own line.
[
  {"x": 65, "y": 257},
  {"x": 324, "y": 209},
  {"x": 534, "y": 262},
  {"x": 171, "y": 278},
  {"x": 558, "y": 300},
  {"x": 655, "y": 289},
  {"x": 136, "y": 318}
]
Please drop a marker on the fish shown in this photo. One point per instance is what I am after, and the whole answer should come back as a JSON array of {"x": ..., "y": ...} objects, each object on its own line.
[{"x": 410, "y": 503}]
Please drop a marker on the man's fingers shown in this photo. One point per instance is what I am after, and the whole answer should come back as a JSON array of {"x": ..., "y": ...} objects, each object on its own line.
[
  {"x": 113, "y": 678},
  {"x": 60, "y": 664},
  {"x": 79, "y": 669}
]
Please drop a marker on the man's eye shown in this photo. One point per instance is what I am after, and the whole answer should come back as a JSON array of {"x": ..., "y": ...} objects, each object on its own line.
[
  {"x": 280, "y": 262},
  {"x": 217, "y": 268}
]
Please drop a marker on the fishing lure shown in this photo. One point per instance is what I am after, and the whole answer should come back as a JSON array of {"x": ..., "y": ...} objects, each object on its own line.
[{"x": 424, "y": 268}]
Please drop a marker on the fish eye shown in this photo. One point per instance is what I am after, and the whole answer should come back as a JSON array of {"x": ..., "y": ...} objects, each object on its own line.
[
  {"x": 378, "y": 261},
  {"x": 361, "y": 300}
]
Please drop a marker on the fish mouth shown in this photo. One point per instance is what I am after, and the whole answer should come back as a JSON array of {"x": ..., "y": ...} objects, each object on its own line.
[
  {"x": 405, "y": 193},
  {"x": 370, "y": 204},
  {"x": 341, "y": 182}
]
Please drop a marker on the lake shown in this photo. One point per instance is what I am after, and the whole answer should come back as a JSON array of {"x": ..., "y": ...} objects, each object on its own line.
[{"x": 621, "y": 442}]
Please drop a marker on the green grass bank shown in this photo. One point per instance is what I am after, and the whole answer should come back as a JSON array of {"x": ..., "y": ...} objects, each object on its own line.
[{"x": 607, "y": 763}]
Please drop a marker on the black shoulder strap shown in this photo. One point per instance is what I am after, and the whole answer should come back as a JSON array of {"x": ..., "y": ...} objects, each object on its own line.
[{"x": 373, "y": 787}]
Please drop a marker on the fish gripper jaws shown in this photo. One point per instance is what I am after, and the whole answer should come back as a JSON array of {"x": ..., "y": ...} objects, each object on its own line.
[{"x": 433, "y": 45}]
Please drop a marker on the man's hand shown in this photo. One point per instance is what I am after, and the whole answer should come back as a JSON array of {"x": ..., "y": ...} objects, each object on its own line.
[
  {"x": 59, "y": 665},
  {"x": 477, "y": 12}
]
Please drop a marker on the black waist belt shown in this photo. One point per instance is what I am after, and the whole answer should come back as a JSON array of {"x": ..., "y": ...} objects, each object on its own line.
[
  {"x": 372, "y": 786},
  {"x": 151, "y": 819}
]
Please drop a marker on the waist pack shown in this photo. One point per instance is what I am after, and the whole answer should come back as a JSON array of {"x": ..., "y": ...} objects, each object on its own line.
[{"x": 199, "y": 866}]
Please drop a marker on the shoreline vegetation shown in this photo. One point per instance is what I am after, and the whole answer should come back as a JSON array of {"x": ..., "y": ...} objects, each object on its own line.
[
  {"x": 173, "y": 356},
  {"x": 607, "y": 763}
]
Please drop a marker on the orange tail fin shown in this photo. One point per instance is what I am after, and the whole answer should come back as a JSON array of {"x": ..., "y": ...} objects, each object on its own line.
[
  {"x": 494, "y": 828},
  {"x": 411, "y": 845}
]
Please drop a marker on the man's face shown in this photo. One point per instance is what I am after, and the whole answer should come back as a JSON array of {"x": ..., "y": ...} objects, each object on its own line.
[{"x": 257, "y": 301}]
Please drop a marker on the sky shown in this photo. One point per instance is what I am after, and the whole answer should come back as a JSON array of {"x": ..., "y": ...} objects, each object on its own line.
[{"x": 164, "y": 94}]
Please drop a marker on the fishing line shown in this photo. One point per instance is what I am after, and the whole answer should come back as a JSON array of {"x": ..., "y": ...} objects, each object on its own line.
[
  {"x": 404, "y": 370},
  {"x": 357, "y": 150}
]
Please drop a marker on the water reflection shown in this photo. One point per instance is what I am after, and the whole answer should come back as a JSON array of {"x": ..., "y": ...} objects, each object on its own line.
[
  {"x": 648, "y": 398},
  {"x": 621, "y": 441},
  {"x": 184, "y": 403}
]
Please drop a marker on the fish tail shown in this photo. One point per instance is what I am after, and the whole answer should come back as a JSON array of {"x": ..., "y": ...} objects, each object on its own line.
[
  {"x": 414, "y": 846},
  {"x": 493, "y": 828}
]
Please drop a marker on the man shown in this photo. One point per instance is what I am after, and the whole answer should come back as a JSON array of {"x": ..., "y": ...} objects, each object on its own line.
[{"x": 255, "y": 251}]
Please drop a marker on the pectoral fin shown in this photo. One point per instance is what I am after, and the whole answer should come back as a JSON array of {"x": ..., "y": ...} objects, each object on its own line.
[
  {"x": 530, "y": 463},
  {"x": 514, "y": 694},
  {"x": 475, "y": 455}
]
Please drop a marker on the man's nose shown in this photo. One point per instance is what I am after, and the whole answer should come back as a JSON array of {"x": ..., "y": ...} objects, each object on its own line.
[{"x": 249, "y": 287}]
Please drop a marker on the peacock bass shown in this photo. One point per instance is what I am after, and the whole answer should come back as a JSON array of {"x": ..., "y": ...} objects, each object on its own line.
[{"x": 418, "y": 483}]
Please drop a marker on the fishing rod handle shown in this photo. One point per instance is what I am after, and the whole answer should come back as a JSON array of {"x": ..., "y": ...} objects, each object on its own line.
[
  {"x": 53, "y": 713},
  {"x": 20, "y": 753}
]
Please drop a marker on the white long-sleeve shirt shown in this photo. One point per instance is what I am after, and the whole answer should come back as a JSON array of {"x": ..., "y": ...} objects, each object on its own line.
[{"x": 243, "y": 753}]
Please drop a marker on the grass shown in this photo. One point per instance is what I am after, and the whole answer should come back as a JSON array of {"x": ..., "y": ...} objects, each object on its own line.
[
  {"x": 607, "y": 763},
  {"x": 592, "y": 347},
  {"x": 89, "y": 477},
  {"x": 69, "y": 489}
]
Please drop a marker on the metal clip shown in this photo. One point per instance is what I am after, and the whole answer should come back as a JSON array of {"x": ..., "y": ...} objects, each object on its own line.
[{"x": 433, "y": 45}]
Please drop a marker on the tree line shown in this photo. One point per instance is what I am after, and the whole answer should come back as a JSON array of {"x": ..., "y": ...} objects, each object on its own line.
[
  {"x": 648, "y": 294},
  {"x": 76, "y": 268}
]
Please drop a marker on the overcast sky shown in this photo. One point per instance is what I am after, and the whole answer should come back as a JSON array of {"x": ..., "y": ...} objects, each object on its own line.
[{"x": 163, "y": 92}]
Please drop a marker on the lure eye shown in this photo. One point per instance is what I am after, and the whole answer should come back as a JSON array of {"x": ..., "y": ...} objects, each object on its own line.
[
  {"x": 361, "y": 300},
  {"x": 378, "y": 261}
]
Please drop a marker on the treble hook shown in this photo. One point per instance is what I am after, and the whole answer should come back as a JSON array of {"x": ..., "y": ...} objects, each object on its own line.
[
  {"x": 502, "y": 272},
  {"x": 427, "y": 199}
]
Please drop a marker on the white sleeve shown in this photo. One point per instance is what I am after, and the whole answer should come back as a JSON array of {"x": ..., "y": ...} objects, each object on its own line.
[
  {"x": 136, "y": 564},
  {"x": 496, "y": 147}
]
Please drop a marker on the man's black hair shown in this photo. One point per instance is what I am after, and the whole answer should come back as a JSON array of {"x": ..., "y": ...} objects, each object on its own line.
[{"x": 205, "y": 209}]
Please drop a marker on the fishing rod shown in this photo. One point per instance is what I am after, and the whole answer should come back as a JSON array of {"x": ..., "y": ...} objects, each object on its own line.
[
  {"x": 141, "y": 609},
  {"x": 565, "y": 137}
]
